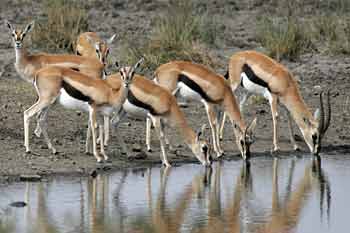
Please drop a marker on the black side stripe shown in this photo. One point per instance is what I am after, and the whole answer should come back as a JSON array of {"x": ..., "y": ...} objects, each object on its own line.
[
  {"x": 253, "y": 77},
  {"x": 73, "y": 92},
  {"x": 194, "y": 86},
  {"x": 75, "y": 69},
  {"x": 132, "y": 99}
]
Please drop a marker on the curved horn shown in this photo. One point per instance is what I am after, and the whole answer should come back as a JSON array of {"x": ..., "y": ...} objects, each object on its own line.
[
  {"x": 137, "y": 64},
  {"x": 329, "y": 113},
  {"x": 321, "y": 120}
]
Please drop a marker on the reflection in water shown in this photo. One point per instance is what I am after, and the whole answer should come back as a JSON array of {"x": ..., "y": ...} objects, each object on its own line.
[{"x": 224, "y": 198}]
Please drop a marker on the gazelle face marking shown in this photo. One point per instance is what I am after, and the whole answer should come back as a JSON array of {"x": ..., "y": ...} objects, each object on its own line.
[{"x": 18, "y": 35}]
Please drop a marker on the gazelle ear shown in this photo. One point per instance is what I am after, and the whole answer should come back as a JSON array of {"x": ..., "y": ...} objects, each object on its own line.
[
  {"x": 139, "y": 63},
  {"x": 28, "y": 28},
  {"x": 110, "y": 40},
  {"x": 9, "y": 25}
]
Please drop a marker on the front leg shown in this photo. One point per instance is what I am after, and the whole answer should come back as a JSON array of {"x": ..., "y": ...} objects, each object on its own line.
[
  {"x": 159, "y": 130},
  {"x": 273, "y": 99},
  {"x": 93, "y": 125}
]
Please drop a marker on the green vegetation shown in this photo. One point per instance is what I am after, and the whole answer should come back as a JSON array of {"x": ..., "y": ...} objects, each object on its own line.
[{"x": 60, "y": 26}]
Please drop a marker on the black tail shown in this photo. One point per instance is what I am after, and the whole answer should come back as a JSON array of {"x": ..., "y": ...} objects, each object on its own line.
[{"x": 227, "y": 75}]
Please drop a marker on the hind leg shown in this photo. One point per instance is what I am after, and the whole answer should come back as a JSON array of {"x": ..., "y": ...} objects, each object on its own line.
[
  {"x": 43, "y": 125},
  {"x": 29, "y": 113}
]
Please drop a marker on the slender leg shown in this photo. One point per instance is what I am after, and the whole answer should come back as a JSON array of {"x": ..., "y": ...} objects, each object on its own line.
[
  {"x": 43, "y": 125},
  {"x": 158, "y": 128},
  {"x": 116, "y": 119},
  {"x": 148, "y": 134},
  {"x": 102, "y": 147},
  {"x": 37, "y": 130},
  {"x": 291, "y": 132},
  {"x": 244, "y": 98},
  {"x": 88, "y": 138},
  {"x": 273, "y": 103},
  {"x": 213, "y": 124},
  {"x": 34, "y": 109},
  {"x": 106, "y": 129},
  {"x": 221, "y": 130},
  {"x": 93, "y": 125}
]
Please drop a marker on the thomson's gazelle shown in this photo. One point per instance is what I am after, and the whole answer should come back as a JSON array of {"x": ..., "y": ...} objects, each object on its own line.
[
  {"x": 260, "y": 74},
  {"x": 49, "y": 82},
  {"x": 194, "y": 81},
  {"x": 147, "y": 99}
]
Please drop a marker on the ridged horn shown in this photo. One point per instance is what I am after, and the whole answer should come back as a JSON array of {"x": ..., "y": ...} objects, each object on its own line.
[
  {"x": 329, "y": 113},
  {"x": 137, "y": 64},
  {"x": 321, "y": 120}
]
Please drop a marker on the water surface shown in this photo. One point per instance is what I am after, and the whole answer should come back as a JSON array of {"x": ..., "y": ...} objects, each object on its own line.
[{"x": 301, "y": 195}]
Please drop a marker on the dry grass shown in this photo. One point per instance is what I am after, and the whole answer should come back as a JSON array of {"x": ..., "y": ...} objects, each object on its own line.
[
  {"x": 180, "y": 34},
  {"x": 63, "y": 21},
  {"x": 283, "y": 37}
]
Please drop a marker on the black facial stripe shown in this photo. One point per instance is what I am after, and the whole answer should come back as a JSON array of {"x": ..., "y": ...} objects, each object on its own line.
[
  {"x": 73, "y": 92},
  {"x": 132, "y": 99},
  {"x": 253, "y": 77},
  {"x": 195, "y": 87}
]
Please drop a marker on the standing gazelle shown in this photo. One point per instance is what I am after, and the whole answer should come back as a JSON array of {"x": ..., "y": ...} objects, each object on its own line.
[
  {"x": 147, "y": 99},
  {"x": 260, "y": 74},
  {"x": 96, "y": 92},
  {"x": 89, "y": 42},
  {"x": 196, "y": 82}
]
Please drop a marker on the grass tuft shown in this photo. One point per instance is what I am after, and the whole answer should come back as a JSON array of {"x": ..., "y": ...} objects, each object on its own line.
[
  {"x": 62, "y": 22},
  {"x": 180, "y": 34}
]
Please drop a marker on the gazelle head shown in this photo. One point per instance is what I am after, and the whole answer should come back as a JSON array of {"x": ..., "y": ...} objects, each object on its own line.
[
  {"x": 18, "y": 35},
  {"x": 102, "y": 48},
  {"x": 127, "y": 73},
  {"x": 316, "y": 128},
  {"x": 202, "y": 149},
  {"x": 245, "y": 138}
]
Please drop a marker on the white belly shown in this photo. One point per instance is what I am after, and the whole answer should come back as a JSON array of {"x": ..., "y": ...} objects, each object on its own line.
[
  {"x": 71, "y": 103},
  {"x": 188, "y": 93},
  {"x": 253, "y": 87},
  {"x": 134, "y": 110},
  {"x": 106, "y": 110}
]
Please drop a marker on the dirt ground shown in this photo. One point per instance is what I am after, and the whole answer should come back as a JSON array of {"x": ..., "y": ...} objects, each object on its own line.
[{"x": 132, "y": 20}]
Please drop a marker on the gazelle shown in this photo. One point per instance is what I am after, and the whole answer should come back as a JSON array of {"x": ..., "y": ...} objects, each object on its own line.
[
  {"x": 49, "y": 81},
  {"x": 260, "y": 74},
  {"x": 88, "y": 43},
  {"x": 196, "y": 82},
  {"x": 147, "y": 99},
  {"x": 28, "y": 64}
]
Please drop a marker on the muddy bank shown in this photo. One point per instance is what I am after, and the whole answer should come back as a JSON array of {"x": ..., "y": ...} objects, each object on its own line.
[{"x": 67, "y": 128}]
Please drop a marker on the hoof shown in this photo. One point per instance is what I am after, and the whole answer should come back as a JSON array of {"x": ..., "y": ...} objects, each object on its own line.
[
  {"x": 149, "y": 150},
  {"x": 296, "y": 148},
  {"x": 167, "y": 164},
  {"x": 28, "y": 151}
]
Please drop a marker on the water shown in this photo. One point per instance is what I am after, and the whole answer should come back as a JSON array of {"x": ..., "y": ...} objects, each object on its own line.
[{"x": 284, "y": 195}]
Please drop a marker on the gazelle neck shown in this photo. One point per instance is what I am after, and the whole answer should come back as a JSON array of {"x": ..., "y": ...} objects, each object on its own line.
[
  {"x": 119, "y": 97},
  {"x": 177, "y": 119},
  {"x": 298, "y": 109},
  {"x": 230, "y": 106},
  {"x": 21, "y": 54}
]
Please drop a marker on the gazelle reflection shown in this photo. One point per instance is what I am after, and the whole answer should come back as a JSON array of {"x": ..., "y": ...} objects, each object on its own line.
[{"x": 285, "y": 214}]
